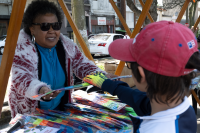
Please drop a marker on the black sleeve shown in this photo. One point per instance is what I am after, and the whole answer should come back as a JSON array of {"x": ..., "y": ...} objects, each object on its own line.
[{"x": 133, "y": 97}]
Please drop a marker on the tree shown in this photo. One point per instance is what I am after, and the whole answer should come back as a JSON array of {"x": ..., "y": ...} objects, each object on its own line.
[
  {"x": 78, "y": 15},
  {"x": 170, "y": 4},
  {"x": 152, "y": 11}
]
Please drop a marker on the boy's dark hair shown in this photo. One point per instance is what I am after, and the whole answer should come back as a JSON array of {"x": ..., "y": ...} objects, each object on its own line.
[
  {"x": 36, "y": 8},
  {"x": 169, "y": 87}
]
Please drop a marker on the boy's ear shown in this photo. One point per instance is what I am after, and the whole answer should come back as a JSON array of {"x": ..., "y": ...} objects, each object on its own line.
[{"x": 141, "y": 71}]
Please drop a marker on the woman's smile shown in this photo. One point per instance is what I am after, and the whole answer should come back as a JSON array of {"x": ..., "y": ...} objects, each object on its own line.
[{"x": 52, "y": 39}]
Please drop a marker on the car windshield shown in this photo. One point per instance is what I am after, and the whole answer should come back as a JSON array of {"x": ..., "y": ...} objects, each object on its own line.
[
  {"x": 2, "y": 38},
  {"x": 100, "y": 37}
]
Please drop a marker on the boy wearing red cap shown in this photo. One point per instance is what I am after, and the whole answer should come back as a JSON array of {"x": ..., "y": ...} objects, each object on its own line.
[{"x": 162, "y": 58}]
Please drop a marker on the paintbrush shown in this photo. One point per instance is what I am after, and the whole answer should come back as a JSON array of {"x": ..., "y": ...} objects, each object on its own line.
[{"x": 78, "y": 86}]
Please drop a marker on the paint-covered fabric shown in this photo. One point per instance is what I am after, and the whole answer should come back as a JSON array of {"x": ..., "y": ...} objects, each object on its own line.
[{"x": 24, "y": 82}]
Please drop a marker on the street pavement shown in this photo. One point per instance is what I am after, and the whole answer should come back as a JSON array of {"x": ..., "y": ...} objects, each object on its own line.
[{"x": 102, "y": 60}]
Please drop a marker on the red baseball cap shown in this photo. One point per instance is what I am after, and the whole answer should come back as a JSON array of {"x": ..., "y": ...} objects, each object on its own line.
[{"x": 162, "y": 47}]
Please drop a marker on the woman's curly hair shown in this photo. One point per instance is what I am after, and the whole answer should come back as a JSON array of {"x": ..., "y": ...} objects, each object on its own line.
[{"x": 36, "y": 8}]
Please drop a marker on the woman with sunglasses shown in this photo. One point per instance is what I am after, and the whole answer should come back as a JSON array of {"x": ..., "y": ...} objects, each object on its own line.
[{"x": 44, "y": 60}]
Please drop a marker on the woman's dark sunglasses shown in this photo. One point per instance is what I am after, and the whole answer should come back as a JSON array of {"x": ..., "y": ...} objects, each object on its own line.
[{"x": 46, "y": 26}]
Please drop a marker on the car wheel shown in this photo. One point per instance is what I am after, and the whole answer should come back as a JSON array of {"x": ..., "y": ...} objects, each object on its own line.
[{"x": 1, "y": 50}]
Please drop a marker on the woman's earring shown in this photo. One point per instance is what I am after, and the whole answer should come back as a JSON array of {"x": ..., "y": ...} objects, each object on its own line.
[{"x": 33, "y": 39}]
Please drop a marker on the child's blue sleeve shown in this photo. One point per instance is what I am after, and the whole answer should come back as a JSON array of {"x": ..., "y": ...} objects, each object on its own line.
[{"x": 133, "y": 97}]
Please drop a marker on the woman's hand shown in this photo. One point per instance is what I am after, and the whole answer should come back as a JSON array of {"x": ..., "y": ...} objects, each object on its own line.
[{"x": 50, "y": 96}]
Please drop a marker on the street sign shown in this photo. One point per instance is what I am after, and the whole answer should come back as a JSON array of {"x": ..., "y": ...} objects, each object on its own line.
[
  {"x": 101, "y": 20},
  {"x": 187, "y": 25}
]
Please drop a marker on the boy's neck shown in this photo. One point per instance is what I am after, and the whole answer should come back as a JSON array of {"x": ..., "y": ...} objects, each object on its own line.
[{"x": 157, "y": 107}]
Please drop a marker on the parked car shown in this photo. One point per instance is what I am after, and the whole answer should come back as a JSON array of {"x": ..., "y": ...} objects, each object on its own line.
[
  {"x": 91, "y": 35},
  {"x": 99, "y": 43},
  {"x": 2, "y": 43}
]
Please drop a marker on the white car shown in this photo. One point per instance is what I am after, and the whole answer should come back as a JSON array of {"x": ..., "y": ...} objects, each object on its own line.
[
  {"x": 2, "y": 43},
  {"x": 99, "y": 43}
]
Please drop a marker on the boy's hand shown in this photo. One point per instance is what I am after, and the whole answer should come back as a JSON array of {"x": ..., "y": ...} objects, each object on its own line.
[{"x": 95, "y": 79}]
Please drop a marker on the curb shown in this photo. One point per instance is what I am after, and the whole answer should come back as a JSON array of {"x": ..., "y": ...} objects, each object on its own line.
[{"x": 5, "y": 115}]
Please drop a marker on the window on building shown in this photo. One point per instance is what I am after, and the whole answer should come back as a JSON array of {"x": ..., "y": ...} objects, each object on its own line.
[
  {"x": 118, "y": 3},
  {"x": 116, "y": 21},
  {"x": 129, "y": 16},
  {"x": 70, "y": 35},
  {"x": 3, "y": 28},
  {"x": 105, "y": 29},
  {"x": 96, "y": 29},
  {"x": 111, "y": 29}
]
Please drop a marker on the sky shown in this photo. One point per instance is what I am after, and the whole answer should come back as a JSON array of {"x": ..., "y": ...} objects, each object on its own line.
[{"x": 160, "y": 2}]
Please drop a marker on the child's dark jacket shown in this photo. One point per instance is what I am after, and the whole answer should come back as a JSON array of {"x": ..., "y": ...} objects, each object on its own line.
[{"x": 181, "y": 119}]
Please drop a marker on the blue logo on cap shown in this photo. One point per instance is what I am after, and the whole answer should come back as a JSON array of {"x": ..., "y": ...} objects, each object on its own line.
[{"x": 191, "y": 44}]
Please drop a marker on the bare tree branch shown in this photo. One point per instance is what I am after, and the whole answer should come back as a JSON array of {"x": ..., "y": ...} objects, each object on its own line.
[
  {"x": 152, "y": 11},
  {"x": 132, "y": 6},
  {"x": 170, "y": 4}
]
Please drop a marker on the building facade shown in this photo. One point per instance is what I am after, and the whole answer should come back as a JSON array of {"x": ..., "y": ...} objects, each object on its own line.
[
  {"x": 87, "y": 18},
  {"x": 102, "y": 17},
  {"x": 5, "y": 11}
]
